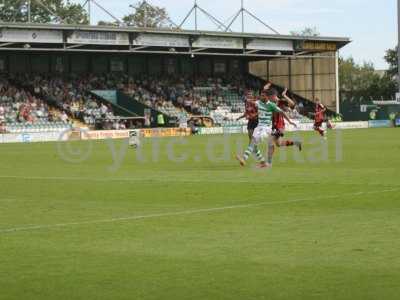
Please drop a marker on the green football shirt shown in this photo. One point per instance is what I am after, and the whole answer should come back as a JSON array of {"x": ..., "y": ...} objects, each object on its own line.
[{"x": 265, "y": 112}]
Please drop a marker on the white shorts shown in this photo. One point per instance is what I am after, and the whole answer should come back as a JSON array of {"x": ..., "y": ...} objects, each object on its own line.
[{"x": 262, "y": 133}]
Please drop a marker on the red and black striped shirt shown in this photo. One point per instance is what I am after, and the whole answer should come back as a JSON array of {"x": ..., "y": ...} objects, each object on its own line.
[
  {"x": 251, "y": 109},
  {"x": 278, "y": 119},
  {"x": 319, "y": 112}
]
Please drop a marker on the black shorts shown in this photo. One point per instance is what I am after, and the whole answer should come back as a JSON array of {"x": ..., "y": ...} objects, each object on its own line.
[
  {"x": 278, "y": 133},
  {"x": 252, "y": 124},
  {"x": 318, "y": 124}
]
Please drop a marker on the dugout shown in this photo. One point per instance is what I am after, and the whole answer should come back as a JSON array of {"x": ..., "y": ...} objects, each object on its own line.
[{"x": 306, "y": 65}]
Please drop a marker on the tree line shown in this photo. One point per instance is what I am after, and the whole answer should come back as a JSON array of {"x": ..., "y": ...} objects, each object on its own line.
[{"x": 67, "y": 12}]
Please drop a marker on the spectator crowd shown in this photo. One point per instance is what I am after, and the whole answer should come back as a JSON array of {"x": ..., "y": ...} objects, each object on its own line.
[
  {"x": 197, "y": 96},
  {"x": 70, "y": 98},
  {"x": 18, "y": 105}
]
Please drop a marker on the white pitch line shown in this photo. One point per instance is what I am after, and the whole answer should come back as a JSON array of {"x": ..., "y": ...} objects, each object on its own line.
[
  {"x": 127, "y": 179},
  {"x": 94, "y": 179},
  {"x": 69, "y": 178},
  {"x": 186, "y": 212}
]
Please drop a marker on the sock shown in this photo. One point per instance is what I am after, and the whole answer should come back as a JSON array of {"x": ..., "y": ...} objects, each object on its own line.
[
  {"x": 259, "y": 156},
  {"x": 248, "y": 152},
  {"x": 320, "y": 131},
  {"x": 271, "y": 150},
  {"x": 287, "y": 143}
]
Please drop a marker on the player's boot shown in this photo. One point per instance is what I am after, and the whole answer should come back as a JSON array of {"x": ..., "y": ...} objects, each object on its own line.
[
  {"x": 241, "y": 160},
  {"x": 264, "y": 165},
  {"x": 299, "y": 145}
]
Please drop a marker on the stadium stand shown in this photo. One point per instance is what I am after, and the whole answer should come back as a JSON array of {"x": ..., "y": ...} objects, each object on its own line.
[
  {"x": 36, "y": 101},
  {"x": 218, "y": 97},
  {"x": 153, "y": 72},
  {"x": 21, "y": 111},
  {"x": 71, "y": 95}
]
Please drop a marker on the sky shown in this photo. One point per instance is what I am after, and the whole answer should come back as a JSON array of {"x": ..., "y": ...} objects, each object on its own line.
[{"x": 371, "y": 25}]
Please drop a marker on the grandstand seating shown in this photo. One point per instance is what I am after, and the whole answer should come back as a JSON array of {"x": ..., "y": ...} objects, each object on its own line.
[
  {"x": 168, "y": 95},
  {"x": 221, "y": 98},
  {"x": 21, "y": 111},
  {"x": 71, "y": 95}
]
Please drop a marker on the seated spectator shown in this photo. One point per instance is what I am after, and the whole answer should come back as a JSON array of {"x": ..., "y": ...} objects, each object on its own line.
[
  {"x": 71, "y": 94},
  {"x": 187, "y": 103}
]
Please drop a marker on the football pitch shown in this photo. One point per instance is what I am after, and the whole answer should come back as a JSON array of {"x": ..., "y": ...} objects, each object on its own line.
[{"x": 178, "y": 218}]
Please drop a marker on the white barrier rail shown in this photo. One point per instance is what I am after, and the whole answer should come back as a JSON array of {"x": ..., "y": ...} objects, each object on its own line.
[{"x": 32, "y": 137}]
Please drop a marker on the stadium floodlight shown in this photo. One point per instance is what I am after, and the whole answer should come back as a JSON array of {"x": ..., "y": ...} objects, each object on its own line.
[
  {"x": 197, "y": 8},
  {"x": 242, "y": 11},
  {"x": 146, "y": 6},
  {"x": 107, "y": 12},
  {"x": 89, "y": 9}
]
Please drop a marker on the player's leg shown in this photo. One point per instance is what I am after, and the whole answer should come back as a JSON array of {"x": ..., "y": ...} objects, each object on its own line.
[
  {"x": 253, "y": 147},
  {"x": 251, "y": 126},
  {"x": 318, "y": 128},
  {"x": 257, "y": 152},
  {"x": 280, "y": 142},
  {"x": 277, "y": 140},
  {"x": 247, "y": 153},
  {"x": 250, "y": 133},
  {"x": 329, "y": 124},
  {"x": 288, "y": 142},
  {"x": 271, "y": 149}
]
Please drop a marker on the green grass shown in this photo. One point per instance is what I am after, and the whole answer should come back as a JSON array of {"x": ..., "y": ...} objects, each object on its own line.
[{"x": 303, "y": 230}]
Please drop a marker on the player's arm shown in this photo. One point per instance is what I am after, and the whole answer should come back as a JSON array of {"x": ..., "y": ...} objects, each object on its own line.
[
  {"x": 268, "y": 86},
  {"x": 241, "y": 117},
  {"x": 276, "y": 109},
  {"x": 286, "y": 117},
  {"x": 288, "y": 99}
]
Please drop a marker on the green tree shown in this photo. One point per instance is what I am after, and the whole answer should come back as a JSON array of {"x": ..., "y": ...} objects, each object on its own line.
[
  {"x": 391, "y": 59},
  {"x": 72, "y": 13},
  {"x": 146, "y": 15},
  {"x": 307, "y": 31},
  {"x": 44, "y": 11},
  {"x": 361, "y": 81}
]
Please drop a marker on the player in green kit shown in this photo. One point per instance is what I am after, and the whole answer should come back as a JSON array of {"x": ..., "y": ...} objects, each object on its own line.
[{"x": 266, "y": 108}]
